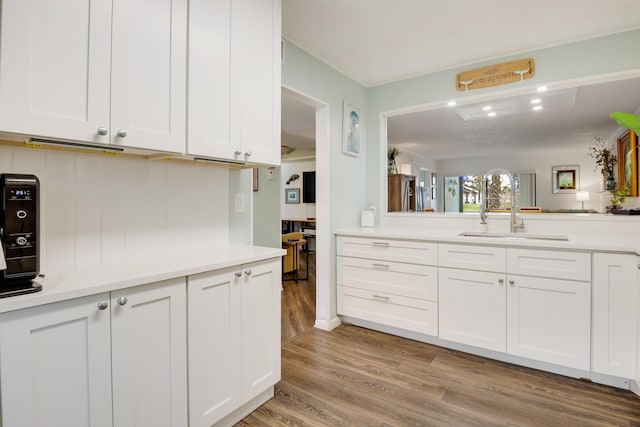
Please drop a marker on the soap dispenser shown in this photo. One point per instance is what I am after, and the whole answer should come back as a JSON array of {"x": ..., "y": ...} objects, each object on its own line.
[{"x": 367, "y": 217}]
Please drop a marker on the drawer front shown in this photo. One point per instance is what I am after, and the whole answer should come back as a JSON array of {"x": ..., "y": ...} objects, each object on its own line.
[
  {"x": 552, "y": 264},
  {"x": 388, "y": 249},
  {"x": 391, "y": 310},
  {"x": 409, "y": 280},
  {"x": 470, "y": 257}
]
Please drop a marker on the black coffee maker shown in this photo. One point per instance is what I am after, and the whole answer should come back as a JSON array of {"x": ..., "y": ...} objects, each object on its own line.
[{"x": 19, "y": 234}]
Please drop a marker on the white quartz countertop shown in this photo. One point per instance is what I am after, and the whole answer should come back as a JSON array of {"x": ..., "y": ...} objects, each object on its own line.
[
  {"x": 77, "y": 283},
  {"x": 578, "y": 241}
]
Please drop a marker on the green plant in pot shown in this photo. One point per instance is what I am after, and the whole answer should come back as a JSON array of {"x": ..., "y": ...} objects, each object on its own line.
[
  {"x": 618, "y": 198},
  {"x": 605, "y": 161}
]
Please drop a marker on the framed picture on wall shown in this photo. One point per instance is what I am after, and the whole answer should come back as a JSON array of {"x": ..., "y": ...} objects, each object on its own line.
[
  {"x": 628, "y": 162},
  {"x": 351, "y": 129},
  {"x": 292, "y": 195},
  {"x": 566, "y": 179}
]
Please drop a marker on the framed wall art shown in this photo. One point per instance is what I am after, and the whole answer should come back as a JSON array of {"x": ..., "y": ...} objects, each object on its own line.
[
  {"x": 292, "y": 195},
  {"x": 351, "y": 129},
  {"x": 566, "y": 179},
  {"x": 628, "y": 162}
]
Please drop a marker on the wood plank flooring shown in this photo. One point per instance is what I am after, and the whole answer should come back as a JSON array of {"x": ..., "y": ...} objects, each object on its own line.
[{"x": 299, "y": 301}]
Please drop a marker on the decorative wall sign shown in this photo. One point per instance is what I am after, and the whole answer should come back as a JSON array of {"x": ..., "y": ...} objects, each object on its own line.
[
  {"x": 351, "y": 129},
  {"x": 495, "y": 75}
]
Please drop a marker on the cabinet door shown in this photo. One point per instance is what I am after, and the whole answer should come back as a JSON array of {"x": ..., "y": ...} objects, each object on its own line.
[
  {"x": 55, "y": 68},
  {"x": 615, "y": 314},
  {"x": 55, "y": 365},
  {"x": 215, "y": 386},
  {"x": 148, "y": 93},
  {"x": 148, "y": 333},
  {"x": 260, "y": 327},
  {"x": 209, "y": 74},
  {"x": 255, "y": 80},
  {"x": 549, "y": 320},
  {"x": 472, "y": 308}
]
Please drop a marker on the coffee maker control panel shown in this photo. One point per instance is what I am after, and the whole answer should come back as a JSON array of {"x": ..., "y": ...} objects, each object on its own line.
[{"x": 19, "y": 230}]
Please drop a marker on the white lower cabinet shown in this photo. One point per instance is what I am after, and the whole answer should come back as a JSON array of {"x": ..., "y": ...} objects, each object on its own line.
[
  {"x": 615, "y": 314},
  {"x": 234, "y": 338},
  {"x": 72, "y": 363},
  {"x": 473, "y": 308},
  {"x": 549, "y": 320}
]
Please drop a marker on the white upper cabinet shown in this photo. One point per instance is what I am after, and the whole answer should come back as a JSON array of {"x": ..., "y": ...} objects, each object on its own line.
[
  {"x": 234, "y": 80},
  {"x": 69, "y": 71},
  {"x": 55, "y": 68},
  {"x": 148, "y": 94}
]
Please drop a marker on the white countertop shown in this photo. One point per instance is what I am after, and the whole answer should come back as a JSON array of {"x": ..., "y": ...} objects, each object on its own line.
[
  {"x": 581, "y": 242},
  {"x": 94, "y": 280}
]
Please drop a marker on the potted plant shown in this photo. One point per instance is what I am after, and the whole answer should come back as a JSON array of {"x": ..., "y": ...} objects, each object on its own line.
[
  {"x": 605, "y": 161},
  {"x": 392, "y": 153},
  {"x": 618, "y": 198}
]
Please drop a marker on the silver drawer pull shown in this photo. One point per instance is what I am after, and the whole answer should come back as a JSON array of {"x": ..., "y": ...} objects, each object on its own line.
[
  {"x": 380, "y": 266},
  {"x": 380, "y": 297},
  {"x": 386, "y": 244}
]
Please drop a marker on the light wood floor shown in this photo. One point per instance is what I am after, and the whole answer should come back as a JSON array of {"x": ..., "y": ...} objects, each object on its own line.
[{"x": 357, "y": 377}]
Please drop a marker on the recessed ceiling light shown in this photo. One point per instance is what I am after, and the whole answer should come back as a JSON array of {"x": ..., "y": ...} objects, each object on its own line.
[
  {"x": 451, "y": 103},
  {"x": 542, "y": 89},
  {"x": 491, "y": 114},
  {"x": 536, "y": 101},
  {"x": 537, "y": 108},
  {"x": 486, "y": 108}
]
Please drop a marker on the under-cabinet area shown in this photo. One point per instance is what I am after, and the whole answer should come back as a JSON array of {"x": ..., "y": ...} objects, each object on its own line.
[
  {"x": 564, "y": 310},
  {"x": 201, "y": 349}
]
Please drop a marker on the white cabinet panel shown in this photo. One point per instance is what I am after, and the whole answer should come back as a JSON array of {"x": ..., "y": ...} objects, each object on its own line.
[
  {"x": 473, "y": 307},
  {"x": 553, "y": 264},
  {"x": 260, "y": 327},
  {"x": 45, "y": 347},
  {"x": 55, "y": 68},
  {"x": 406, "y": 251},
  {"x": 148, "y": 99},
  {"x": 411, "y": 280},
  {"x": 215, "y": 309},
  {"x": 149, "y": 360},
  {"x": 615, "y": 314},
  {"x": 549, "y": 320},
  {"x": 470, "y": 257}
]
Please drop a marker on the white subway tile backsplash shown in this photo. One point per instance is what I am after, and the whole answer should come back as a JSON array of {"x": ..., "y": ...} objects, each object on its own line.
[{"x": 109, "y": 210}]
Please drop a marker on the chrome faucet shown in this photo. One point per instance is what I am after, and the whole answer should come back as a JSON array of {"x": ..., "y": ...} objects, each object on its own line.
[{"x": 516, "y": 223}]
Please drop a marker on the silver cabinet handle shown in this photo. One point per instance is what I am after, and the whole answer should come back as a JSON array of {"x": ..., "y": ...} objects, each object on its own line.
[
  {"x": 247, "y": 272},
  {"x": 380, "y": 266},
  {"x": 380, "y": 297},
  {"x": 103, "y": 305},
  {"x": 512, "y": 282},
  {"x": 247, "y": 153},
  {"x": 121, "y": 133},
  {"x": 102, "y": 131},
  {"x": 238, "y": 273},
  {"x": 501, "y": 281},
  {"x": 122, "y": 300},
  {"x": 238, "y": 152},
  {"x": 380, "y": 243}
]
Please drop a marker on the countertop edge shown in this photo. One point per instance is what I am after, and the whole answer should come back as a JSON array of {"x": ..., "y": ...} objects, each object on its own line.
[{"x": 94, "y": 280}]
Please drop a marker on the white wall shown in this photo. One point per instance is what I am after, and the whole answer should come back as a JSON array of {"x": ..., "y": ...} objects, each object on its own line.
[
  {"x": 296, "y": 210},
  {"x": 98, "y": 209},
  {"x": 266, "y": 209}
]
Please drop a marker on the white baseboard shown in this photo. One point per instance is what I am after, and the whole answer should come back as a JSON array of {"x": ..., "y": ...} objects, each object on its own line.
[{"x": 328, "y": 325}]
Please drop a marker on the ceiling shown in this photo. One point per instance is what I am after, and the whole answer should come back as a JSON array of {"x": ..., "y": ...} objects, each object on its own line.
[{"x": 379, "y": 41}]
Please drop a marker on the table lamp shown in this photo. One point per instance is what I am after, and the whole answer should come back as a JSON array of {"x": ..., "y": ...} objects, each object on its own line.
[{"x": 582, "y": 196}]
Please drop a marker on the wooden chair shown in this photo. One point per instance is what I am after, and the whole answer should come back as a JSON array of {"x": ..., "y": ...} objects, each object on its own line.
[{"x": 291, "y": 261}]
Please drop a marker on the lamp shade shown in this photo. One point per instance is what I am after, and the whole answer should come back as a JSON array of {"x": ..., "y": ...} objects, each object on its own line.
[
  {"x": 405, "y": 169},
  {"x": 582, "y": 196}
]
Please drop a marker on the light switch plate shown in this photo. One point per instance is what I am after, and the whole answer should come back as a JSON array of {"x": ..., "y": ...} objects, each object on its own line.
[{"x": 239, "y": 202}]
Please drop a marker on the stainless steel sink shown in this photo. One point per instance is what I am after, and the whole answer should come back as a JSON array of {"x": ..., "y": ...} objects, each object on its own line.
[{"x": 523, "y": 236}]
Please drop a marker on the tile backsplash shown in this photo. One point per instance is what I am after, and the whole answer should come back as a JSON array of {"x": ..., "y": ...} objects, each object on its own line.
[{"x": 99, "y": 209}]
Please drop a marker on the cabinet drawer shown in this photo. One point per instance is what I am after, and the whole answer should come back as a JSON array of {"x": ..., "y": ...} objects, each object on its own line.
[
  {"x": 553, "y": 264},
  {"x": 392, "y": 310},
  {"x": 470, "y": 257},
  {"x": 409, "y": 280},
  {"x": 387, "y": 249}
]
